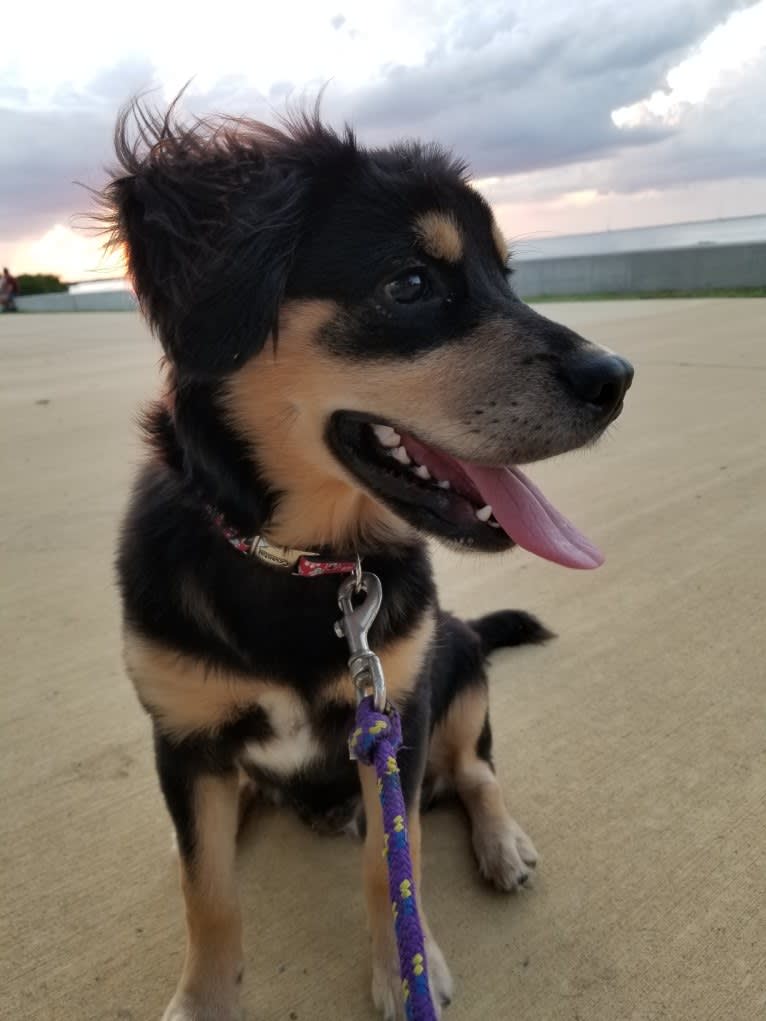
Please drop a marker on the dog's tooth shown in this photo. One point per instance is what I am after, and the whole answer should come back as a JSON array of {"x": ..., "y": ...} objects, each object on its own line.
[
  {"x": 443, "y": 484},
  {"x": 401, "y": 455},
  {"x": 422, "y": 472},
  {"x": 387, "y": 436},
  {"x": 493, "y": 524},
  {"x": 485, "y": 513}
]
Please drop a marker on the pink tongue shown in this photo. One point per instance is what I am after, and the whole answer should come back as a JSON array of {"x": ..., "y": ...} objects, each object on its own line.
[{"x": 529, "y": 519}]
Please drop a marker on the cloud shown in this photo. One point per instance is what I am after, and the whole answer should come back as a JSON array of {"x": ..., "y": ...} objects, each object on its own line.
[
  {"x": 47, "y": 153},
  {"x": 526, "y": 94},
  {"x": 716, "y": 140},
  {"x": 732, "y": 47},
  {"x": 51, "y": 150},
  {"x": 516, "y": 95}
]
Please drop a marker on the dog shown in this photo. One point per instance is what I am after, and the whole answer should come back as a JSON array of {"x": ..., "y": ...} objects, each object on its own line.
[{"x": 348, "y": 373}]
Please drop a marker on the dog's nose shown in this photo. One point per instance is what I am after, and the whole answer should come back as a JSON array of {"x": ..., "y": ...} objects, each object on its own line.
[{"x": 600, "y": 380}]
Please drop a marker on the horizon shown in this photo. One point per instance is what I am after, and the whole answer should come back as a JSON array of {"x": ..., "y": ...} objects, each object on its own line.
[{"x": 557, "y": 237}]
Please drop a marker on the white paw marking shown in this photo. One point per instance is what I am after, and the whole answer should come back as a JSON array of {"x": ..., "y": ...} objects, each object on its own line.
[
  {"x": 185, "y": 1008},
  {"x": 505, "y": 854},
  {"x": 387, "y": 985}
]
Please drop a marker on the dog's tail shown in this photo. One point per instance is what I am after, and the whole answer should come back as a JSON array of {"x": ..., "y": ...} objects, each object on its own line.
[{"x": 509, "y": 627}]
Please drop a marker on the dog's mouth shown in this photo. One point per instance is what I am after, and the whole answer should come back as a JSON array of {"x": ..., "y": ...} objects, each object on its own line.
[{"x": 486, "y": 508}]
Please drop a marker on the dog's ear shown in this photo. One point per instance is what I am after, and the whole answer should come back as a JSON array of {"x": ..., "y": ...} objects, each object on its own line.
[{"x": 210, "y": 217}]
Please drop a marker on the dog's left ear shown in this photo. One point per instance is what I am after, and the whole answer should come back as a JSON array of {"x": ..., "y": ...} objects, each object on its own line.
[{"x": 210, "y": 218}]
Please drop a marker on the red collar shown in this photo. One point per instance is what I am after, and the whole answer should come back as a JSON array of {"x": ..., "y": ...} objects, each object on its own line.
[{"x": 302, "y": 563}]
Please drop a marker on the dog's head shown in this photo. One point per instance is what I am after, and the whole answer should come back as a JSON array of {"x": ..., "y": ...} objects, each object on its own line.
[{"x": 404, "y": 382}]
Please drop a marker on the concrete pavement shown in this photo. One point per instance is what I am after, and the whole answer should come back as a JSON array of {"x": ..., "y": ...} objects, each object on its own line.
[{"x": 633, "y": 748}]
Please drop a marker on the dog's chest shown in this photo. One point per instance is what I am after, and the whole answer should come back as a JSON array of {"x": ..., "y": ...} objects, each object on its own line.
[
  {"x": 292, "y": 742},
  {"x": 278, "y": 726},
  {"x": 300, "y": 738}
]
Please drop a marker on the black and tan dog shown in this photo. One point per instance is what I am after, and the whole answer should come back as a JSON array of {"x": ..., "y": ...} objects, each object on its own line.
[{"x": 349, "y": 371}]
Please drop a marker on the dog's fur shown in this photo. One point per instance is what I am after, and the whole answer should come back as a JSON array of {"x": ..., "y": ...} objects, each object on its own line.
[{"x": 258, "y": 255}]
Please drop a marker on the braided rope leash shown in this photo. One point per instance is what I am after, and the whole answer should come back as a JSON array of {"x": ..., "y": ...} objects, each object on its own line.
[{"x": 375, "y": 742}]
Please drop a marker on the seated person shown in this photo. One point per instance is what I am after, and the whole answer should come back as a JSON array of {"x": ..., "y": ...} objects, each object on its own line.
[{"x": 9, "y": 288}]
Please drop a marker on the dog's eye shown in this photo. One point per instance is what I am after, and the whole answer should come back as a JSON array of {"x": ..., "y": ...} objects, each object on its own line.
[{"x": 409, "y": 287}]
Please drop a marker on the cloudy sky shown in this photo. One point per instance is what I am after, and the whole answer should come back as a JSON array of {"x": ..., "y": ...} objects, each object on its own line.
[{"x": 574, "y": 117}]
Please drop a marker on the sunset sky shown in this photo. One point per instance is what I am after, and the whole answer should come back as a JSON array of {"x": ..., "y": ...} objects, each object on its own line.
[{"x": 573, "y": 117}]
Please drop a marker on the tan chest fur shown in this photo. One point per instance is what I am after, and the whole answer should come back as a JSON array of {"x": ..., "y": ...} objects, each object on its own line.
[{"x": 185, "y": 697}]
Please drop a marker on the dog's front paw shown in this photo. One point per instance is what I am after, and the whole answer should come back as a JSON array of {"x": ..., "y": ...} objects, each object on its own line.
[
  {"x": 184, "y": 1007},
  {"x": 439, "y": 975},
  {"x": 387, "y": 985},
  {"x": 505, "y": 855}
]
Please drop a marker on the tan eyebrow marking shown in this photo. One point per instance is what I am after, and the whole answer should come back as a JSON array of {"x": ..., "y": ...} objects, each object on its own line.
[{"x": 439, "y": 235}]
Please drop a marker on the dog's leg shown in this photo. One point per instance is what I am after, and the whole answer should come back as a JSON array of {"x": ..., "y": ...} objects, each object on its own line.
[
  {"x": 386, "y": 982},
  {"x": 205, "y": 811},
  {"x": 461, "y": 757}
]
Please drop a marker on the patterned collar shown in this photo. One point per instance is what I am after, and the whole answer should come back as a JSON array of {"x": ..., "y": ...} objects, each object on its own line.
[{"x": 302, "y": 563}]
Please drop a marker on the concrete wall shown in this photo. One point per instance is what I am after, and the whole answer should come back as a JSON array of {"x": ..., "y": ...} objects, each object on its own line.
[
  {"x": 676, "y": 269},
  {"x": 97, "y": 301}
]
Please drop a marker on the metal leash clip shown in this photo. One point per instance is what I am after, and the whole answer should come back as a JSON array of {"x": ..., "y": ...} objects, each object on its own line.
[{"x": 366, "y": 669}]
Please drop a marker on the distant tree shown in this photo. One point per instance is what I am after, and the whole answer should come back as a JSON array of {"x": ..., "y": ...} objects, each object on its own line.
[{"x": 39, "y": 283}]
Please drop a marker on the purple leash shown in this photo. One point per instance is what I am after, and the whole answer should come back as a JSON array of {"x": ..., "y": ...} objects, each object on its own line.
[{"x": 375, "y": 741}]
